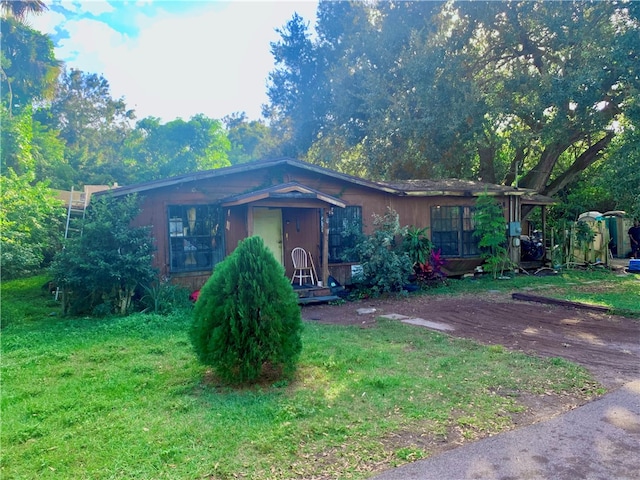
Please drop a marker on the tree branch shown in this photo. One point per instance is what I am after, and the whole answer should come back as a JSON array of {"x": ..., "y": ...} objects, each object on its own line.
[
  {"x": 516, "y": 163},
  {"x": 586, "y": 158}
]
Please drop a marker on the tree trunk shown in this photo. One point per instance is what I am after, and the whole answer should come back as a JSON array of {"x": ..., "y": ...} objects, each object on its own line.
[
  {"x": 487, "y": 171},
  {"x": 515, "y": 167},
  {"x": 586, "y": 158},
  {"x": 538, "y": 177}
]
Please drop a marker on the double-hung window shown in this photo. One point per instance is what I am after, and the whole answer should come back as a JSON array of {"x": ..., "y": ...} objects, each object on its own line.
[
  {"x": 196, "y": 237},
  {"x": 345, "y": 227},
  {"x": 452, "y": 231}
]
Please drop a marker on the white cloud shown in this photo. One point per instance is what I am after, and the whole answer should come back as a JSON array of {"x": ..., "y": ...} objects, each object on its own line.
[
  {"x": 213, "y": 59},
  {"x": 93, "y": 7}
]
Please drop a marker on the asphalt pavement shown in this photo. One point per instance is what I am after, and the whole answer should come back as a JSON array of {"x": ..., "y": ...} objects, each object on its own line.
[{"x": 599, "y": 440}]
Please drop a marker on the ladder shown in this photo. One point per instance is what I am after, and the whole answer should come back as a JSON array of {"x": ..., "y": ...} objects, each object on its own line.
[
  {"x": 67, "y": 228},
  {"x": 74, "y": 208}
]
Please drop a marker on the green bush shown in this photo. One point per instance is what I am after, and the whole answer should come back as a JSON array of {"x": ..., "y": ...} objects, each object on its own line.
[
  {"x": 491, "y": 229},
  {"x": 417, "y": 245},
  {"x": 164, "y": 298},
  {"x": 247, "y": 316},
  {"x": 100, "y": 271},
  {"x": 30, "y": 220},
  {"x": 386, "y": 266}
]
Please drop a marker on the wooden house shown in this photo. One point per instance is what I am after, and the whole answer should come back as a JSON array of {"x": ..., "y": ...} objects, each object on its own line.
[{"x": 197, "y": 219}]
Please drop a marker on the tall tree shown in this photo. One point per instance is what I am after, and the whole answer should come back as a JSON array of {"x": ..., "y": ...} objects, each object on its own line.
[
  {"x": 92, "y": 124},
  {"x": 556, "y": 77},
  {"x": 29, "y": 217},
  {"x": 156, "y": 150},
  {"x": 291, "y": 88},
  {"x": 28, "y": 68},
  {"x": 249, "y": 140},
  {"x": 518, "y": 92}
]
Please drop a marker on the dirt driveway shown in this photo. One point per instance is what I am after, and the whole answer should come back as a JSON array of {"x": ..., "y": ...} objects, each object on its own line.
[{"x": 608, "y": 346}]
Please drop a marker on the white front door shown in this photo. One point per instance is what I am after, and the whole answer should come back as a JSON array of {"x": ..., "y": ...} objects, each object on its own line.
[{"x": 267, "y": 223}]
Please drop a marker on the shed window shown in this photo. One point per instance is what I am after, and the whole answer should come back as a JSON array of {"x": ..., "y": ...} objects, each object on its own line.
[
  {"x": 196, "y": 237},
  {"x": 452, "y": 231},
  {"x": 345, "y": 226}
]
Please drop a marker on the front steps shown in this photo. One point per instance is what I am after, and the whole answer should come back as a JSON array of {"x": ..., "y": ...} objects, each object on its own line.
[{"x": 313, "y": 294}]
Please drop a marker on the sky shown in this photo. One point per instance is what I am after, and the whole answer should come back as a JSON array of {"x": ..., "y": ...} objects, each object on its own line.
[{"x": 174, "y": 58}]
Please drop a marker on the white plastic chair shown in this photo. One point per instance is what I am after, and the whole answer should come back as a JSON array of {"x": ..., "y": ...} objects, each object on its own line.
[{"x": 302, "y": 269}]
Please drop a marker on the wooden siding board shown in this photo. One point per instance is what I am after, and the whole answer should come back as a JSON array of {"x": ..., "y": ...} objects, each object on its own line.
[{"x": 212, "y": 189}]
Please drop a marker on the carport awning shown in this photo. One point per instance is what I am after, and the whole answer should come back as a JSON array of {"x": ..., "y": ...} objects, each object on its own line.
[{"x": 286, "y": 191}]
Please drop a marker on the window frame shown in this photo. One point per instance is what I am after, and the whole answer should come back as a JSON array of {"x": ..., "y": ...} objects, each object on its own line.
[
  {"x": 452, "y": 228},
  {"x": 338, "y": 238},
  {"x": 196, "y": 240}
]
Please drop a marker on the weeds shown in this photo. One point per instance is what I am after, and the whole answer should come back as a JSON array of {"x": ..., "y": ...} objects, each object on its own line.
[{"x": 124, "y": 397}]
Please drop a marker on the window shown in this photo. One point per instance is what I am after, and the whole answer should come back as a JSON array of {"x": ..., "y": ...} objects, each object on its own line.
[
  {"x": 196, "y": 237},
  {"x": 452, "y": 231},
  {"x": 345, "y": 226}
]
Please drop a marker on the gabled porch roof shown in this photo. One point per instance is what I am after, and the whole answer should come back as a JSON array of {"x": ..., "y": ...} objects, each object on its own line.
[{"x": 285, "y": 191}]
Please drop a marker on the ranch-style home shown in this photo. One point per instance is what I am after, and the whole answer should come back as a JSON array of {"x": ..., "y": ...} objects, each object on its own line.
[{"x": 197, "y": 219}]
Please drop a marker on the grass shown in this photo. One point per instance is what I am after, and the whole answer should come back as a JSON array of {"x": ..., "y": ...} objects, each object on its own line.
[
  {"x": 125, "y": 398},
  {"x": 619, "y": 293}
]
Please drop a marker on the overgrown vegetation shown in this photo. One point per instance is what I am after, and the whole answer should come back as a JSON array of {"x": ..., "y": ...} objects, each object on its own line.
[
  {"x": 124, "y": 397},
  {"x": 427, "y": 262},
  {"x": 386, "y": 267},
  {"x": 163, "y": 297},
  {"x": 100, "y": 271},
  {"x": 30, "y": 219},
  {"x": 247, "y": 316},
  {"x": 491, "y": 230}
]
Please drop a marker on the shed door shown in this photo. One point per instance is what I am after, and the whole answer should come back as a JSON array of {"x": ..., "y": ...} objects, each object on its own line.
[{"x": 267, "y": 223}]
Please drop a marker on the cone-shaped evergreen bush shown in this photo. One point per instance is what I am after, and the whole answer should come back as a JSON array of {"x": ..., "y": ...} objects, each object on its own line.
[{"x": 247, "y": 316}]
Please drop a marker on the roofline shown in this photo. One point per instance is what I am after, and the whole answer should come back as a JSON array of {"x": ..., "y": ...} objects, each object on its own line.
[
  {"x": 280, "y": 189},
  {"x": 241, "y": 168},
  {"x": 462, "y": 193},
  {"x": 269, "y": 163}
]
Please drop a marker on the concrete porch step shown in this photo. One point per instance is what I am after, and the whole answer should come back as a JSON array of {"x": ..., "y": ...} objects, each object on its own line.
[
  {"x": 324, "y": 299},
  {"x": 309, "y": 291}
]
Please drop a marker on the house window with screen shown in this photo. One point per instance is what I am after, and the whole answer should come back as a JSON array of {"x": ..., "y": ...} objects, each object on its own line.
[
  {"x": 452, "y": 231},
  {"x": 345, "y": 226},
  {"x": 196, "y": 237}
]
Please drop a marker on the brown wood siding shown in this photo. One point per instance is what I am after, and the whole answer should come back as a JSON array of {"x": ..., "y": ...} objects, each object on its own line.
[
  {"x": 412, "y": 210},
  {"x": 301, "y": 228},
  {"x": 235, "y": 227}
]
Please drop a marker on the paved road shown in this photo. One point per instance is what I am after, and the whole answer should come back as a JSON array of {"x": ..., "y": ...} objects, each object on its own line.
[{"x": 600, "y": 440}]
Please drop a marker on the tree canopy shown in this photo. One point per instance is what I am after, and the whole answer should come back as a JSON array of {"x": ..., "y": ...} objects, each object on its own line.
[
  {"x": 542, "y": 95},
  {"x": 516, "y": 92}
]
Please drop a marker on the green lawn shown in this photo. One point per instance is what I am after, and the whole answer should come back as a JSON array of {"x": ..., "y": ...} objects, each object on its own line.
[
  {"x": 620, "y": 293},
  {"x": 125, "y": 398}
]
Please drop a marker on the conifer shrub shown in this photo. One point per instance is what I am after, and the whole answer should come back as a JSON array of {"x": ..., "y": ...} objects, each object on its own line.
[{"x": 247, "y": 318}]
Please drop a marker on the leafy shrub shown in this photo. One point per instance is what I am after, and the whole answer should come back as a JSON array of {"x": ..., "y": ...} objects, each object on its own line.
[
  {"x": 491, "y": 229},
  {"x": 30, "y": 220},
  {"x": 430, "y": 273},
  {"x": 163, "y": 298},
  {"x": 427, "y": 262},
  {"x": 386, "y": 267},
  {"x": 417, "y": 245},
  {"x": 247, "y": 316},
  {"x": 100, "y": 271}
]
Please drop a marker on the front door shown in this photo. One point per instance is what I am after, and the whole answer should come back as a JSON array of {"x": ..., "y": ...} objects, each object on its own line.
[{"x": 267, "y": 223}]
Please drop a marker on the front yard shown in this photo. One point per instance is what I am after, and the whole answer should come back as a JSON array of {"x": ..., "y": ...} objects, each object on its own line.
[{"x": 126, "y": 398}]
